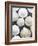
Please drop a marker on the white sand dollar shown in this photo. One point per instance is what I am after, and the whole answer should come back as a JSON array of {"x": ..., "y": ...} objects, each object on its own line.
[
  {"x": 25, "y": 33},
  {"x": 28, "y": 21},
  {"x": 20, "y": 22},
  {"x": 15, "y": 30},
  {"x": 23, "y": 12},
  {"x": 15, "y": 17}
]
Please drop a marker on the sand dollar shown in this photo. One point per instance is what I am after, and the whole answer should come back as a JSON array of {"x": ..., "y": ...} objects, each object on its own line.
[
  {"x": 15, "y": 30},
  {"x": 28, "y": 21},
  {"x": 16, "y": 37},
  {"x": 30, "y": 10},
  {"x": 20, "y": 22},
  {"x": 25, "y": 33},
  {"x": 23, "y": 12},
  {"x": 15, "y": 17}
]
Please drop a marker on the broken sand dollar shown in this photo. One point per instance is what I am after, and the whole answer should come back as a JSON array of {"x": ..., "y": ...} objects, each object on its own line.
[
  {"x": 15, "y": 9},
  {"x": 30, "y": 10},
  {"x": 15, "y": 30},
  {"x": 23, "y": 12},
  {"x": 14, "y": 38},
  {"x": 20, "y": 22},
  {"x": 28, "y": 21},
  {"x": 15, "y": 17},
  {"x": 25, "y": 33}
]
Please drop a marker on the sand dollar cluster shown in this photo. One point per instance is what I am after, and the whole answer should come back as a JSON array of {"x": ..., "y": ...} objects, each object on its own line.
[{"x": 21, "y": 19}]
